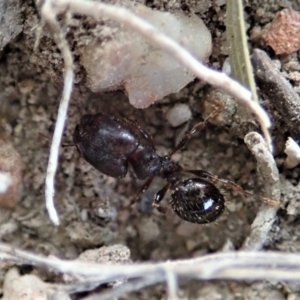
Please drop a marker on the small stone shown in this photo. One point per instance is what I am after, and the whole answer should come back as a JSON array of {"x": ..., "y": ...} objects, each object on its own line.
[
  {"x": 114, "y": 254},
  {"x": 295, "y": 76},
  {"x": 292, "y": 151},
  {"x": 178, "y": 114},
  {"x": 10, "y": 175},
  {"x": 107, "y": 254},
  {"x": 216, "y": 97},
  {"x": 149, "y": 231},
  {"x": 186, "y": 229},
  {"x": 226, "y": 68},
  {"x": 146, "y": 73},
  {"x": 27, "y": 287},
  {"x": 191, "y": 245},
  {"x": 283, "y": 33}
]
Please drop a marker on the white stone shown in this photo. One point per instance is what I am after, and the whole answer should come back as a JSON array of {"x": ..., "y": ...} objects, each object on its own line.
[
  {"x": 5, "y": 182},
  {"x": 292, "y": 150},
  {"x": 146, "y": 73},
  {"x": 178, "y": 114}
]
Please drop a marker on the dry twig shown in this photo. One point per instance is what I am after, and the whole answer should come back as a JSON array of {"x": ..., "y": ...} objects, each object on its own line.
[
  {"x": 52, "y": 8},
  {"x": 130, "y": 286},
  {"x": 226, "y": 265},
  {"x": 172, "y": 285},
  {"x": 278, "y": 90},
  {"x": 267, "y": 168}
]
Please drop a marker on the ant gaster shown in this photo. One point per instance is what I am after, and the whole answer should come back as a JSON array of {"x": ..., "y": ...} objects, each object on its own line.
[{"x": 110, "y": 145}]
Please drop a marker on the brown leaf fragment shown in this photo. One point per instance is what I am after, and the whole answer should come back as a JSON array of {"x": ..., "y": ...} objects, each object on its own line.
[{"x": 283, "y": 34}]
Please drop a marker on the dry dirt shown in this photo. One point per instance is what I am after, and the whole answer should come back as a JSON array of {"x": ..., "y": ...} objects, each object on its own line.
[{"x": 30, "y": 89}]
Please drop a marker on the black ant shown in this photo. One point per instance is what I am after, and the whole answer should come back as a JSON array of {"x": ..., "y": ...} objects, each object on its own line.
[{"x": 110, "y": 145}]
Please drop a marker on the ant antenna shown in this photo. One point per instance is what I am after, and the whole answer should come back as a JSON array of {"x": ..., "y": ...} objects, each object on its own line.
[
  {"x": 44, "y": 136},
  {"x": 230, "y": 184},
  {"x": 197, "y": 128},
  {"x": 66, "y": 145},
  {"x": 79, "y": 109}
]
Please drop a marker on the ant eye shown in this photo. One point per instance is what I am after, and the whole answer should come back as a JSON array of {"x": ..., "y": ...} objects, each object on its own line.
[{"x": 198, "y": 201}]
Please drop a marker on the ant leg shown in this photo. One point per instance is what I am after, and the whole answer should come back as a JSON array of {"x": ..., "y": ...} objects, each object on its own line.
[
  {"x": 146, "y": 135},
  {"x": 65, "y": 145},
  {"x": 140, "y": 192},
  {"x": 78, "y": 105},
  {"x": 159, "y": 197},
  {"x": 44, "y": 136},
  {"x": 231, "y": 185},
  {"x": 197, "y": 128}
]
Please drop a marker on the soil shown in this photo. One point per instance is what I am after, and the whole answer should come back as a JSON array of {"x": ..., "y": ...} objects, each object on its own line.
[{"x": 90, "y": 204}]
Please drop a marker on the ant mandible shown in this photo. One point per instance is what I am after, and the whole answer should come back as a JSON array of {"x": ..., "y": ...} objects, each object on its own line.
[{"x": 110, "y": 145}]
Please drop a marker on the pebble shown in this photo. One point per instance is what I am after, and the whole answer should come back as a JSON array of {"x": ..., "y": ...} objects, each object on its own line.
[{"x": 178, "y": 114}]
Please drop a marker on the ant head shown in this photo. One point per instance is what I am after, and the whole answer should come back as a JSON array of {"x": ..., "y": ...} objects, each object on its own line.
[
  {"x": 197, "y": 201},
  {"x": 84, "y": 127}
]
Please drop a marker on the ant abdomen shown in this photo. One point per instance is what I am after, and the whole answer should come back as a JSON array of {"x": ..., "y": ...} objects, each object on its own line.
[{"x": 196, "y": 200}]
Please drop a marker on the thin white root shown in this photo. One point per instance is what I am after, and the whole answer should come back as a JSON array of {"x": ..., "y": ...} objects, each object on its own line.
[
  {"x": 53, "y": 159},
  {"x": 292, "y": 151},
  {"x": 52, "y": 8},
  {"x": 49, "y": 17}
]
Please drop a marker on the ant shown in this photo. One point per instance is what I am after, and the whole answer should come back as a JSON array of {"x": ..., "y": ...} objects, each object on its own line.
[{"x": 110, "y": 145}]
